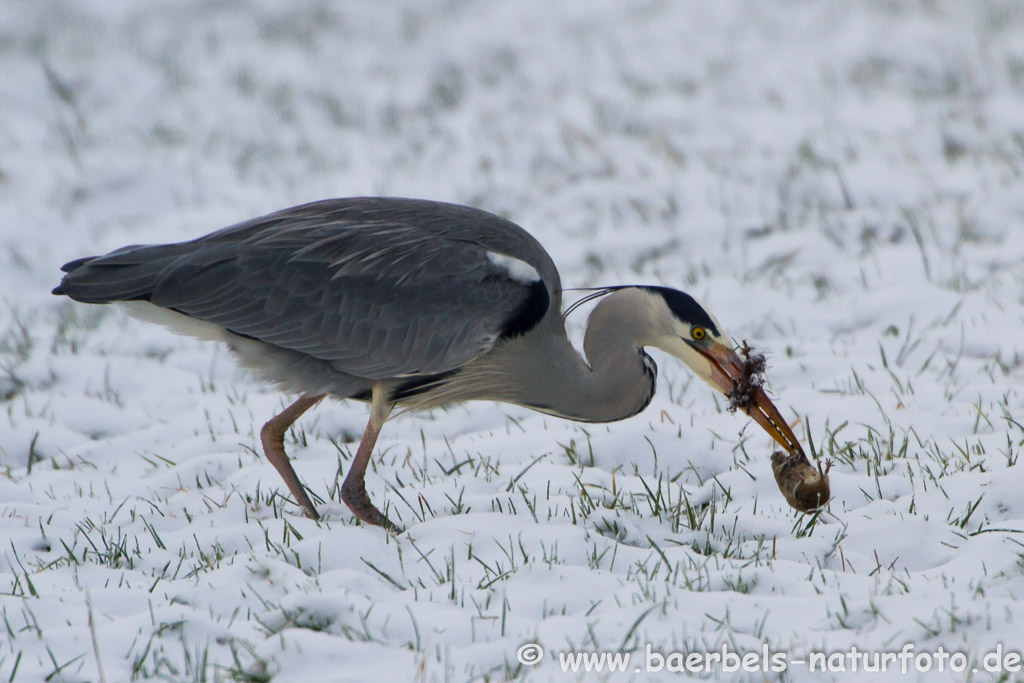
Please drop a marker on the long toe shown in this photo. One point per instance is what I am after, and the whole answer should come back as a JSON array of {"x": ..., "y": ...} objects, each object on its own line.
[
  {"x": 310, "y": 510},
  {"x": 359, "y": 503}
]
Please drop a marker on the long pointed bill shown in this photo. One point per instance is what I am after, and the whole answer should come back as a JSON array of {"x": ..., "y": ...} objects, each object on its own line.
[{"x": 728, "y": 375}]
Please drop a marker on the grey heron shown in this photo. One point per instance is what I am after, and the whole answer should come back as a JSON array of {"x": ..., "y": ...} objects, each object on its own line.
[{"x": 410, "y": 303}]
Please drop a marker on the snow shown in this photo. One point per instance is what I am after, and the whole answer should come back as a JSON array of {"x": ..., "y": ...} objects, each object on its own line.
[{"x": 840, "y": 183}]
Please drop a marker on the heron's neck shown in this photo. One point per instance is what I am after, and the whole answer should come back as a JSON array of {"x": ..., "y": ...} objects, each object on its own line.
[{"x": 615, "y": 381}]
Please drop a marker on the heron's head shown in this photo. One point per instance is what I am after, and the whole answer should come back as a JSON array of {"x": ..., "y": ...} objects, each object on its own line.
[{"x": 689, "y": 332}]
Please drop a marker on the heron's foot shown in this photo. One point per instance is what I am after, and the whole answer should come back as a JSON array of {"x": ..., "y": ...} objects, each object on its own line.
[
  {"x": 353, "y": 494},
  {"x": 309, "y": 509}
]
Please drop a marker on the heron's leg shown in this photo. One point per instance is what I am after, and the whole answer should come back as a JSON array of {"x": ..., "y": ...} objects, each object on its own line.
[
  {"x": 353, "y": 489},
  {"x": 272, "y": 436}
]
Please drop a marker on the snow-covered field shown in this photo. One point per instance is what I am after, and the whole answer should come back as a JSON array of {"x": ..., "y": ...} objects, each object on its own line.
[{"x": 840, "y": 183}]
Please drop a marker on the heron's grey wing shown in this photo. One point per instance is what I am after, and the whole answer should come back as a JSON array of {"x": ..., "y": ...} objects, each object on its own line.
[
  {"x": 365, "y": 326},
  {"x": 375, "y": 298}
]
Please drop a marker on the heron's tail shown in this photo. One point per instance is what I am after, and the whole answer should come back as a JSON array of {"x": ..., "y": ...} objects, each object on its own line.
[{"x": 127, "y": 274}]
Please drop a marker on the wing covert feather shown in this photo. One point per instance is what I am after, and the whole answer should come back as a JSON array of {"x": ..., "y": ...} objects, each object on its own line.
[{"x": 377, "y": 292}]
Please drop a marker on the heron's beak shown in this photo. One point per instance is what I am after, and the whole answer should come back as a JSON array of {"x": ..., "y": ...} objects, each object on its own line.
[{"x": 727, "y": 374}]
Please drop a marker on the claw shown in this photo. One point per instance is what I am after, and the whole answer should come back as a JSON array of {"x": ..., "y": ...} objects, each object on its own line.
[{"x": 355, "y": 497}]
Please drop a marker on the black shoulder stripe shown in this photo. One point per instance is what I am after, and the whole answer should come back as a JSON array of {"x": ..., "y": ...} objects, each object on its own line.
[
  {"x": 529, "y": 313},
  {"x": 419, "y": 385}
]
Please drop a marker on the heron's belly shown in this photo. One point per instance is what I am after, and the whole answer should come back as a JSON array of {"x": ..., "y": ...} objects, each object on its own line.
[
  {"x": 291, "y": 371},
  {"x": 178, "y": 323}
]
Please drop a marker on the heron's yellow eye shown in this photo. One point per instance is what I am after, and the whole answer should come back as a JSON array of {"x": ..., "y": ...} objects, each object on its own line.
[{"x": 698, "y": 333}]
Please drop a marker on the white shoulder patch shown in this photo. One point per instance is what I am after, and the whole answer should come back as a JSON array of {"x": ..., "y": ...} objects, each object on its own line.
[{"x": 520, "y": 271}]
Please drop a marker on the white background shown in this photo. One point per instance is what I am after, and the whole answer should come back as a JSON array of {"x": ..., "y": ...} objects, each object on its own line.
[{"x": 840, "y": 183}]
